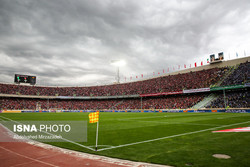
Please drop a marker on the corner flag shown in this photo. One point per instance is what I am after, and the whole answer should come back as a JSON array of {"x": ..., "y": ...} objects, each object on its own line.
[{"x": 94, "y": 117}]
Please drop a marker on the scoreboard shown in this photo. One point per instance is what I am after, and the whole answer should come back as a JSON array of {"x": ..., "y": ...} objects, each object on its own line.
[
  {"x": 216, "y": 60},
  {"x": 19, "y": 78}
]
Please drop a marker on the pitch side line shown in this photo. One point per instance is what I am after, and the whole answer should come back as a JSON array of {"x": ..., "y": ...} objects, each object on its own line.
[
  {"x": 183, "y": 134},
  {"x": 101, "y": 146},
  {"x": 52, "y": 134}
]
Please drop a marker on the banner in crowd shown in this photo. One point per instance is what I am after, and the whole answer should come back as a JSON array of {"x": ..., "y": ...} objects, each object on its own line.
[
  {"x": 172, "y": 93},
  {"x": 161, "y": 94},
  {"x": 196, "y": 90},
  {"x": 227, "y": 87},
  {"x": 247, "y": 84}
]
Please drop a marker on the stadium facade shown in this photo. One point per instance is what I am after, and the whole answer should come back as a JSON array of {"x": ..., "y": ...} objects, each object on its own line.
[{"x": 222, "y": 86}]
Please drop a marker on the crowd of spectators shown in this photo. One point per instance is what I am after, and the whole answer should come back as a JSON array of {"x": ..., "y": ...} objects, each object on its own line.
[
  {"x": 233, "y": 100},
  {"x": 170, "y": 83},
  {"x": 170, "y": 102},
  {"x": 240, "y": 76}
]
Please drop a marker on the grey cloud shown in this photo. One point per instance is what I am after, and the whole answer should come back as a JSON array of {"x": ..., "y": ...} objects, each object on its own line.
[{"x": 58, "y": 40}]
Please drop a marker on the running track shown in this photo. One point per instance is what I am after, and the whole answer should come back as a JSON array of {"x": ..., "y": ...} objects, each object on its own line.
[{"x": 30, "y": 154}]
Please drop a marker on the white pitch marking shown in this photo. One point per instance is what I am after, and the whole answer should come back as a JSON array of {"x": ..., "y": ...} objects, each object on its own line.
[
  {"x": 183, "y": 134},
  {"x": 101, "y": 146}
]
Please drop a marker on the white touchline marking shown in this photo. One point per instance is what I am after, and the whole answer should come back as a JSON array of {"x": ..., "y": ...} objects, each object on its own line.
[
  {"x": 52, "y": 134},
  {"x": 183, "y": 134},
  {"x": 28, "y": 157},
  {"x": 101, "y": 146}
]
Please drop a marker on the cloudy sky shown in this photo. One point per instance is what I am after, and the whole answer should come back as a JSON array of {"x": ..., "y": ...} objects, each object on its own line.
[{"x": 73, "y": 42}]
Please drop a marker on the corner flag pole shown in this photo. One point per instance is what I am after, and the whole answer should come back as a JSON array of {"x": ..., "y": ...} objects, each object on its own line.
[{"x": 97, "y": 126}]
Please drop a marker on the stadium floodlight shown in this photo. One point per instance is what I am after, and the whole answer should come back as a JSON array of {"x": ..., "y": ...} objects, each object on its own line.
[{"x": 118, "y": 63}]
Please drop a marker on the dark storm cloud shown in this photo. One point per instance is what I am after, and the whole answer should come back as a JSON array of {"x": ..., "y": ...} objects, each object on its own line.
[{"x": 74, "y": 42}]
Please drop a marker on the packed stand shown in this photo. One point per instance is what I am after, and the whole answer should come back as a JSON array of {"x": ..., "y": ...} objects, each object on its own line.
[
  {"x": 240, "y": 76},
  {"x": 168, "y": 102},
  {"x": 233, "y": 100},
  {"x": 192, "y": 80}
]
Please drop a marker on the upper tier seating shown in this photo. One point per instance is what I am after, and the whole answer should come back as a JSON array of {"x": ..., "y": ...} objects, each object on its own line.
[
  {"x": 240, "y": 76},
  {"x": 191, "y": 80}
]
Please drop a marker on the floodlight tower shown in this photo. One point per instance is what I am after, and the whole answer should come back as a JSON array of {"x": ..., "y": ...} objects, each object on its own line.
[{"x": 118, "y": 63}]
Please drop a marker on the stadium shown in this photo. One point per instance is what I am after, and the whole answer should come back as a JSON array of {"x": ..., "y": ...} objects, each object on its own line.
[
  {"x": 167, "y": 120},
  {"x": 124, "y": 83}
]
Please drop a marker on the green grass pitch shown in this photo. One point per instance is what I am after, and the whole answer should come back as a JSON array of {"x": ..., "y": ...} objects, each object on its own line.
[{"x": 177, "y": 139}]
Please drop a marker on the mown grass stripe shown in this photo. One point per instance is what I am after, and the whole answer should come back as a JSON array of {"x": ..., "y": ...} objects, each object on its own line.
[{"x": 183, "y": 134}]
